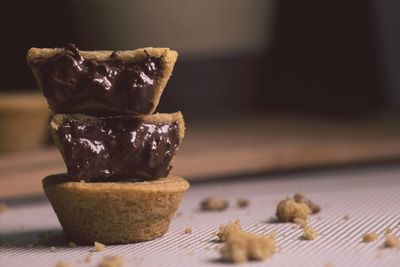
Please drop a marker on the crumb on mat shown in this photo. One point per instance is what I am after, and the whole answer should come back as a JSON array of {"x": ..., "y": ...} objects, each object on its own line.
[
  {"x": 300, "y": 222},
  {"x": 214, "y": 204},
  {"x": 88, "y": 257},
  {"x": 242, "y": 246},
  {"x": 391, "y": 242},
  {"x": 242, "y": 202},
  {"x": 301, "y": 198},
  {"x": 225, "y": 230},
  {"x": 288, "y": 209},
  {"x": 62, "y": 264},
  {"x": 99, "y": 246},
  {"x": 369, "y": 237},
  {"x": 388, "y": 230},
  {"x": 309, "y": 233},
  {"x": 111, "y": 261},
  {"x": 188, "y": 230}
]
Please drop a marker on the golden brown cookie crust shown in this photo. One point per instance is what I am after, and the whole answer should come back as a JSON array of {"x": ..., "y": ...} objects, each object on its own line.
[
  {"x": 169, "y": 58},
  {"x": 114, "y": 212}
]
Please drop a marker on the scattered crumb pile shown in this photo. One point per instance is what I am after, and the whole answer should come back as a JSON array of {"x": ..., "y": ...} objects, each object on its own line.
[
  {"x": 242, "y": 202},
  {"x": 3, "y": 207},
  {"x": 225, "y": 230},
  {"x": 391, "y": 242},
  {"x": 188, "y": 230},
  {"x": 62, "y": 264},
  {"x": 111, "y": 261},
  {"x": 242, "y": 246},
  {"x": 52, "y": 249},
  {"x": 297, "y": 207},
  {"x": 346, "y": 217},
  {"x": 214, "y": 203},
  {"x": 99, "y": 246},
  {"x": 369, "y": 237}
]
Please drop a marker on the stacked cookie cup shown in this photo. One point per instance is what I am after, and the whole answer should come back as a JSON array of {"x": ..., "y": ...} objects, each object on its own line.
[{"x": 118, "y": 154}]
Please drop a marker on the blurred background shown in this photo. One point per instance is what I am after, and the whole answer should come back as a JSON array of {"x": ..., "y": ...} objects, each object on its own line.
[{"x": 264, "y": 84}]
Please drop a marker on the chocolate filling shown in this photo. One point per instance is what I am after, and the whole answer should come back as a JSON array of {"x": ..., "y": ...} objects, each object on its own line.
[
  {"x": 118, "y": 148},
  {"x": 98, "y": 87}
]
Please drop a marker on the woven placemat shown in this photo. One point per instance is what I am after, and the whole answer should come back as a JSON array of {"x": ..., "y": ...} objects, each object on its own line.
[{"x": 369, "y": 196}]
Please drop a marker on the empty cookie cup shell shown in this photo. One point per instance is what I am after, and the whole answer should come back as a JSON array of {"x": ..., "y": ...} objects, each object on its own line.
[{"x": 114, "y": 212}]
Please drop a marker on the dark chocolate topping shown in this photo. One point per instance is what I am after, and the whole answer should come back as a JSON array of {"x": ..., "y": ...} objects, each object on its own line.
[
  {"x": 70, "y": 81},
  {"x": 118, "y": 148}
]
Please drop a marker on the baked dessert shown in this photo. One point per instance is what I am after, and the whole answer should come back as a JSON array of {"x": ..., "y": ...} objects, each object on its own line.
[
  {"x": 114, "y": 212},
  {"x": 102, "y": 82},
  {"x": 118, "y": 147},
  {"x": 118, "y": 154}
]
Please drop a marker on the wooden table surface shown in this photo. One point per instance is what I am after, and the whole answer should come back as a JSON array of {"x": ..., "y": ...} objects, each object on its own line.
[{"x": 237, "y": 146}]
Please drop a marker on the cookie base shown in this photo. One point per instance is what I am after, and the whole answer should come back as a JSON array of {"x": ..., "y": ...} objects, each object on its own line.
[{"x": 114, "y": 213}]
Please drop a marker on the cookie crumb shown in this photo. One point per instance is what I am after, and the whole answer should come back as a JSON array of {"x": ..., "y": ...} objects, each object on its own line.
[
  {"x": 391, "y": 242},
  {"x": 388, "y": 230},
  {"x": 301, "y": 198},
  {"x": 346, "y": 217},
  {"x": 99, "y": 246},
  {"x": 242, "y": 246},
  {"x": 369, "y": 237},
  {"x": 52, "y": 249},
  {"x": 309, "y": 233},
  {"x": 88, "y": 257},
  {"x": 62, "y": 264},
  {"x": 242, "y": 202},
  {"x": 72, "y": 244},
  {"x": 225, "y": 230},
  {"x": 273, "y": 235},
  {"x": 3, "y": 207},
  {"x": 300, "y": 222},
  {"x": 288, "y": 209},
  {"x": 214, "y": 204},
  {"x": 111, "y": 261},
  {"x": 188, "y": 230}
]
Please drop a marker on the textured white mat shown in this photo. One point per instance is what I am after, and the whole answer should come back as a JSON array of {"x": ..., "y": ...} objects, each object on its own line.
[{"x": 371, "y": 196}]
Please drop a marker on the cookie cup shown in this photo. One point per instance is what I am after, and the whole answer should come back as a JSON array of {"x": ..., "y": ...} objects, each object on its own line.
[{"x": 114, "y": 212}]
